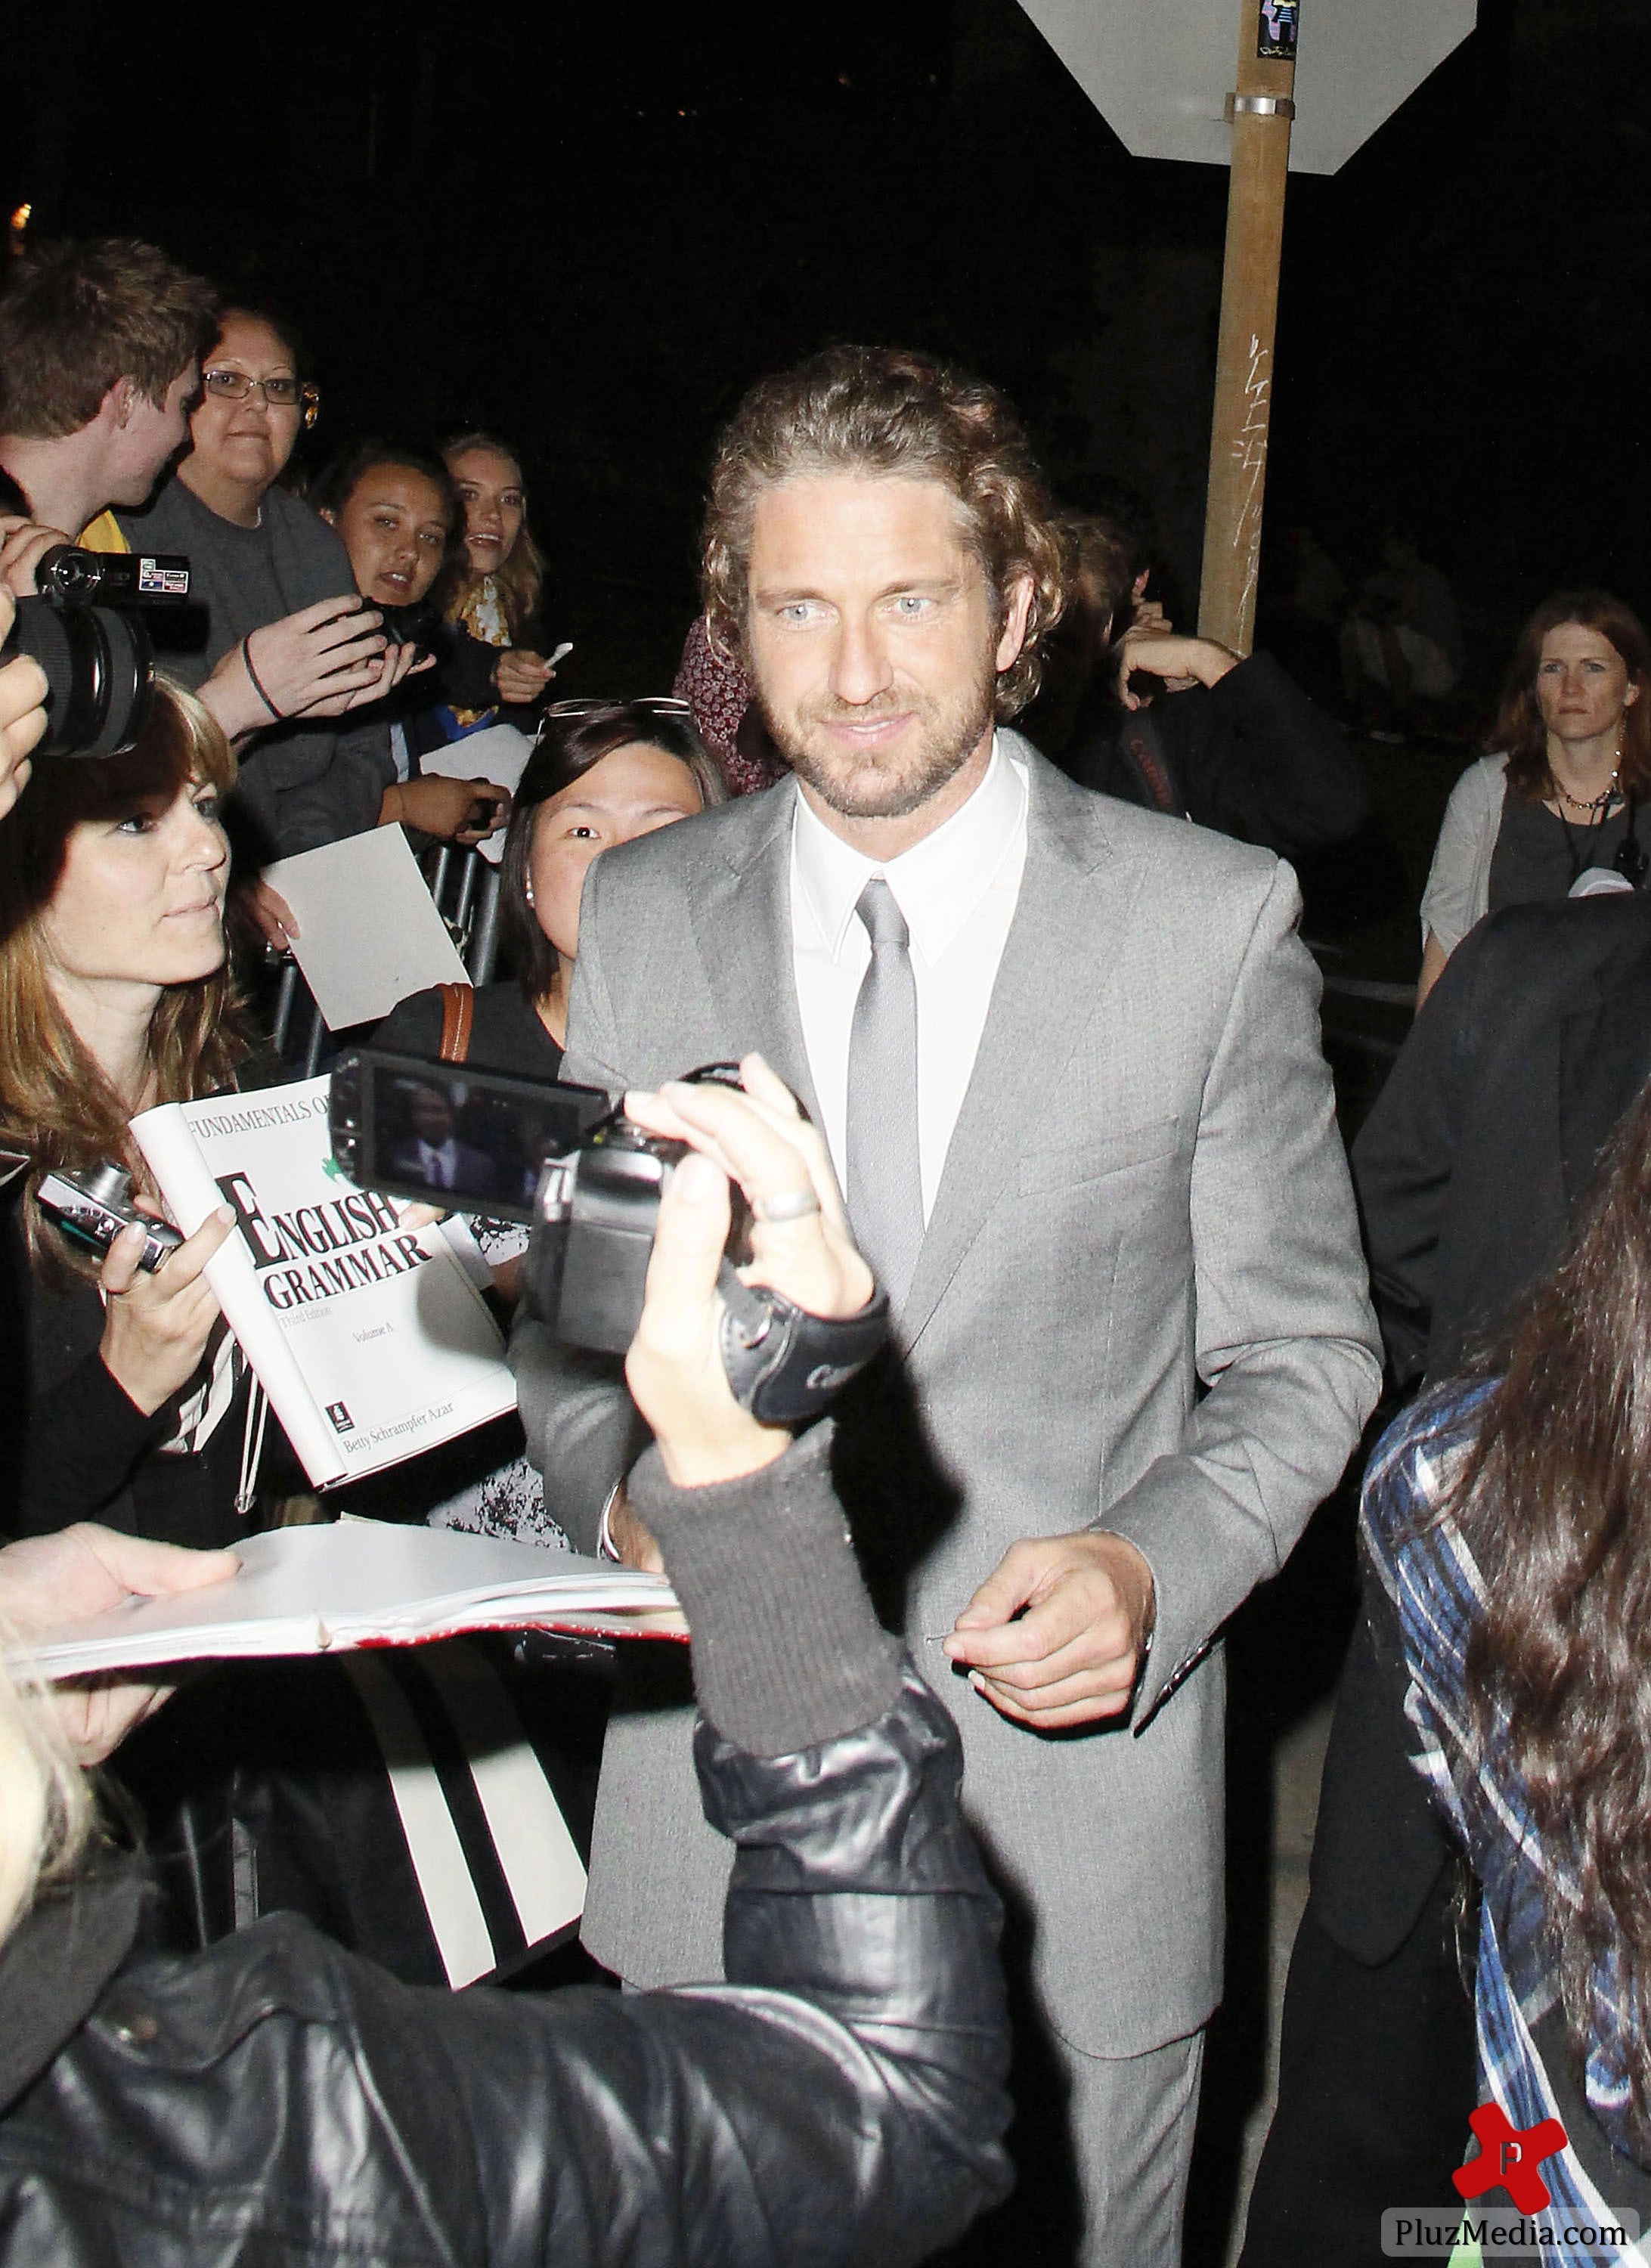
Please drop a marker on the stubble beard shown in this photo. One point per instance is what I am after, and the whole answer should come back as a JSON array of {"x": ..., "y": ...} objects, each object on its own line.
[{"x": 884, "y": 784}]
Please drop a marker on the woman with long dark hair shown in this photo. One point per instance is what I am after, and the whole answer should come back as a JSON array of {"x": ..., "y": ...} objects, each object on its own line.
[
  {"x": 1508, "y": 1520},
  {"x": 115, "y": 996},
  {"x": 1564, "y": 802},
  {"x": 603, "y": 773}
]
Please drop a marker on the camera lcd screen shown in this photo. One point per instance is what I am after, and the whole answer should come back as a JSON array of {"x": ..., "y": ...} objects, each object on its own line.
[{"x": 469, "y": 1141}]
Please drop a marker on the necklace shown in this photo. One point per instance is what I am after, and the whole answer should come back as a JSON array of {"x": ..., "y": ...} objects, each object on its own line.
[{"x": 1595, "y": 806}]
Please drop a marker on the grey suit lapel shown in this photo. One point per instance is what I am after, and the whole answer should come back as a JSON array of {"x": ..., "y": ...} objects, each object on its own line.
[
  {"x": 741, "y": 918},
  {"x": 1075, "y": 898}
]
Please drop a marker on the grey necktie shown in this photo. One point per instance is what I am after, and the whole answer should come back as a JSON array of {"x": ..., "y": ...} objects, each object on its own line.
[{"x": 885, "y": 1191}]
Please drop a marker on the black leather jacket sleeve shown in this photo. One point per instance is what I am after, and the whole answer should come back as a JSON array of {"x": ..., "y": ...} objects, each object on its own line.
[{"x": 839, "y": 2100}]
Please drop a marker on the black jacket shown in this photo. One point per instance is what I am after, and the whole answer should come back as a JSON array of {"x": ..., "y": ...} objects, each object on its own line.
[
  {"x": 839, "y": 2100},
  {"x": 1468, "y": 1171},
  {"x": 1249, "y": 756},
  {"x": 1472, "y": 1165}
]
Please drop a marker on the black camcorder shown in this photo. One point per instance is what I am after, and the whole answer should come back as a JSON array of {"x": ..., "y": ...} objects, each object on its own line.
[
  {"x": 587, "y": 1182},
  {"x": 85, "y": 626}
]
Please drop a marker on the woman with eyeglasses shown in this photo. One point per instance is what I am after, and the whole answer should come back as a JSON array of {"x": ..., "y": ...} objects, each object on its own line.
[
  {"x": 292, "y": 663},
  {"x": 603, "y": 773}
]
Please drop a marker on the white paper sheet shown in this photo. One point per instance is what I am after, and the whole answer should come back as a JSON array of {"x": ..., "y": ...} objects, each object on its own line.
[
  {"x": 497, "y": 754},
  {"x": 309, "y": 1590},
  {"x": 370, "y": 932}
]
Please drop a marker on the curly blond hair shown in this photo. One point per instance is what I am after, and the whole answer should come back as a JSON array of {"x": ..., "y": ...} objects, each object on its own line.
[{"x": 884, "y": 411}]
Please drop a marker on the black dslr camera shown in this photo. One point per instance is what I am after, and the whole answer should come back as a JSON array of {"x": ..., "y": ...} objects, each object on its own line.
[
  {"x": 85, "y": 626},
  {"x": 588, "y": 1181}
]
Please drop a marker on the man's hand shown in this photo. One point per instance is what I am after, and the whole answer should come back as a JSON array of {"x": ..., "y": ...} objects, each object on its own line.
[
  {"x": 1054, "y": 1636},
  {"x": 1181, "y": 661},
  {"x": 441, "y": 806},
  {"x": 24, "y": 543},
  {"x": 22, "y": 719},
  {"x": 50, "y": 1580}
]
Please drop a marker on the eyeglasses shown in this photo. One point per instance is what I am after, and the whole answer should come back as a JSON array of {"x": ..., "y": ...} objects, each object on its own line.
[
  {"x": 278, "y": 393},
  {"x": 569, "y": 713},
  {"x": 656, "y": 705}
]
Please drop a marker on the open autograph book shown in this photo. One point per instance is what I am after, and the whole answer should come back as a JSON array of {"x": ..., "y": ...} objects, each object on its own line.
[{"x": 358, "y": 1583}]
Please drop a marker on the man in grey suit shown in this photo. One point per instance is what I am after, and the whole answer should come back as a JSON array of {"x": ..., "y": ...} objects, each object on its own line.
[{"x": 1065, "y": 1056}]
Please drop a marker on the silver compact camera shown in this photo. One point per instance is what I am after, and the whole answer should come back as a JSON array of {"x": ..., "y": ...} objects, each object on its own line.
[{"x": 91, "y": 1210}]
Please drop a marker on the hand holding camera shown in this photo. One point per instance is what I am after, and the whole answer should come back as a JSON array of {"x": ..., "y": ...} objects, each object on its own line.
[
  {"x": 159, "y": 1319},
  {"x": 800, "y": 1249},
  {"x": 24, "y": 543},
  {"x": 23, "y": 690}
]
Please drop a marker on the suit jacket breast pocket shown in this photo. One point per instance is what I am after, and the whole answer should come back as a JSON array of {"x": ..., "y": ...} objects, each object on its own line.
[{"x": 1076, "y": 1163}]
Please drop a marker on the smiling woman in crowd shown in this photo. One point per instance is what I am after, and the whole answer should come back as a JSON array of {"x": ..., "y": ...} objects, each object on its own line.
[{"x": 496, "y": 597}]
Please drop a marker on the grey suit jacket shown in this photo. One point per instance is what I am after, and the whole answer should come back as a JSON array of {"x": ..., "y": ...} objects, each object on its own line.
[{"x": 1145, "y": 1188}]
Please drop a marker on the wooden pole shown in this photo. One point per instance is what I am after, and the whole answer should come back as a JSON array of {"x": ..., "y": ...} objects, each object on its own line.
[{"x": 1243, "y": 368}]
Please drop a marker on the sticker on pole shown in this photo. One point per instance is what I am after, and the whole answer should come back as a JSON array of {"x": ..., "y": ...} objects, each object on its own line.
[{"x": 1275, "y": 34}]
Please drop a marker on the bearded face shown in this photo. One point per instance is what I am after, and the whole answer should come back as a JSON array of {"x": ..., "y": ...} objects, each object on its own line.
[{"x": 873, "y": 638}]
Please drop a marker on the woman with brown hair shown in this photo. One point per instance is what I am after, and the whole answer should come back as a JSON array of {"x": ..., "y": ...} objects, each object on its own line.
[
  {"x": 1560, "y": 808},
  {"x": 1506, "y": 1521},
  {"x": 115, "y": 996}
]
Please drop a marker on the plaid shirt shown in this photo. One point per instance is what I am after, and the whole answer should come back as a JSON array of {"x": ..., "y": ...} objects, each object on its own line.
[{"x": 1438, "y": 1592}]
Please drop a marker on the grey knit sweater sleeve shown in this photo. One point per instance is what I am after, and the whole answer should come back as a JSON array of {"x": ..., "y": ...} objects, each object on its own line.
[{"x": 787, "y": 1652}]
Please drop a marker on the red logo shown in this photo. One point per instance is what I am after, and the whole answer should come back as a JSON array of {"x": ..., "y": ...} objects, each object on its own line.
[{"x": 1508, "y": 2157}]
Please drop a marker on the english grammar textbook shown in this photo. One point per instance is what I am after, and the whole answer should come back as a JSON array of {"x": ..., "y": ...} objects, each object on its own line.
[{"x": 368, "y": 1337}]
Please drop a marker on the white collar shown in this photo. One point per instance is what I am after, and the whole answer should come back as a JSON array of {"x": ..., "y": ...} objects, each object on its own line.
[{"x": 938, "y": 882}]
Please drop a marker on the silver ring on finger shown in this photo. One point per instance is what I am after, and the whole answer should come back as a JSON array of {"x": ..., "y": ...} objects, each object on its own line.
[{"x": 789, "y": 1204}]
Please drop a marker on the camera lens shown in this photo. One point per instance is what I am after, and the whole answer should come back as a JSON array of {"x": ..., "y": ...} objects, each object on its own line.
[
  {"x": 69, "y": 575},
  {"x": 100, "y": 668}
]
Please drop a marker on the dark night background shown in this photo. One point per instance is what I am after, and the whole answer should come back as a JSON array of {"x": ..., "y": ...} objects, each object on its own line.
[{"x": 591, "y": 226}]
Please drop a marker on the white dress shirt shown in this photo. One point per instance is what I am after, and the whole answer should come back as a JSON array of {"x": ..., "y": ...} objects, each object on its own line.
[
  {"x": 438, "y": 1163},
  {"x": 957, "y": 889}
]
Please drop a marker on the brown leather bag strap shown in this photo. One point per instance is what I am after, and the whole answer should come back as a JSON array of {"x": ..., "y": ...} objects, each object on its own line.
[{"x": 458, "y": 1012}]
